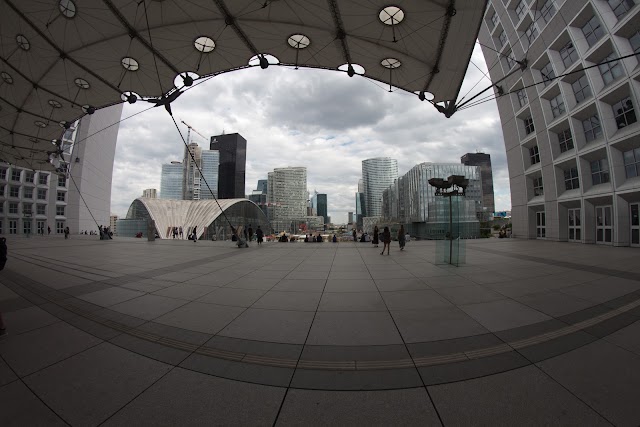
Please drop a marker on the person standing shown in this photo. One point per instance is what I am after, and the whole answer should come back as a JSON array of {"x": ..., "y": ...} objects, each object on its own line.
[
  {"x": 259, "y": 235},
  {"x": 355, "y": 235},
  {"x": 376, "y": 238},
  {"x": 386, "y": 239},
  {"x": 401, "y": 238},
  {"x": 66, "y": 232},
  {"x": 180, "y": 232},
  {"x": 195, "y": 234},
  {"x": 48, "y": 230},
  {"x": 250, "y": 233}
]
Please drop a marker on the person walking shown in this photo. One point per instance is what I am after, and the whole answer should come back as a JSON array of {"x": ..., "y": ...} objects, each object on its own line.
[
  {"x": 355, "y": 235},
  {"x": 48, "y": 230},
  {"x": 401, "y": 238},
  {"x": 386, "y": 239},
  {"x": 195, "y": 234},
  {"x": 180, "y": 233},
  {"x": 376, "y": 238},
  {"x": 250, "y": 233},
  {"x": 259, "y": 235}
]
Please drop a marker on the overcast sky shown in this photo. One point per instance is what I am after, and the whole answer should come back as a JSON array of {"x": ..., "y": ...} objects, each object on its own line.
[{"x": 319, "y": 119}]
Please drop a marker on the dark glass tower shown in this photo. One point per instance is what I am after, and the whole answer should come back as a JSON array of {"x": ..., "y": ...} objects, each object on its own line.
[{"x": 233, "y": 156}]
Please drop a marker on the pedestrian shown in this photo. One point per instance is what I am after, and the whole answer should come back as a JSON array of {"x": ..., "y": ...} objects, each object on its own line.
[
  {"x": 376, "y": 238},
  {"x": 48, "y": 230},
  {"x": 180, "y": 232},
  {"x": 355, "y": 235},
  {"x": 175, "y": 232},
  {"x": 259, "y": 235},
  {"x": 402, "y": 238},
  {"x": 250, "y": 233},
  {"x": 66, "y": 232},
  {"x": 335, "y": 239},
  {"x": 386, "y": 239},
  {"x": 195, "y": 234}
]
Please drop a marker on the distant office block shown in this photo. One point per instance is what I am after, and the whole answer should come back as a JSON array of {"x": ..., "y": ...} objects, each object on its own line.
[
  {"x": 171, "y": 181},
  {"x": 150, "y": 193}
]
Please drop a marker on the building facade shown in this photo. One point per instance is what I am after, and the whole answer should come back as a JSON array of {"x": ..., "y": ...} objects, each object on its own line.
[
  {"x": 569, "y": 115},
  {"x": 233, "y": 158},
  {"x": 319, "y": 206},
  {"x": 150, "y": 193},
  {"x": 210, "y": 161},
  {"x": 171, "y": 181},
  {"x": 377, "y": 175},
  {"x": 287, "y": 197},
  {"x": 190, "y": 173},
  {"x": 486, "y": 176}
]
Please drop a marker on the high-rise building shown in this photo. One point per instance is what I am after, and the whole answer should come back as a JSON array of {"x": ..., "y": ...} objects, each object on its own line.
[
  {"x": 171, "y": 181},
  {"x": 319, "y": 205},
  {"x": 569, "y": 115},
  {"x": 150, "y": 193},
  {"x": 190, "y": 173},
  {"x": 259, "y": 196},
  {"x": 484, "y": 161},
  {"x": 233, "y": 156},
  {"x": 360, "y": 212},
  {"x": 350, "y": 218},
  {"x": 287, "y": 196},
  {"x": 377, "y": 175},
  {"x": 262, "y": 186},
  {"x": 210, "y": 160}
]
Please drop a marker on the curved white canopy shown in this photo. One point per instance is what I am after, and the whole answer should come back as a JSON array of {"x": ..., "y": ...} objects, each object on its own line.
[{"x": 61, "y": 59}]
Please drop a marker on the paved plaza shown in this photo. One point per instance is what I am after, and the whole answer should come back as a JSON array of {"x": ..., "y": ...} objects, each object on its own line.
[{"x": 130, "y": 332}]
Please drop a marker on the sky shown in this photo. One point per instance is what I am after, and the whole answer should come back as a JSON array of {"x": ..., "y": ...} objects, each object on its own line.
[{"x": 322, "y": 120}]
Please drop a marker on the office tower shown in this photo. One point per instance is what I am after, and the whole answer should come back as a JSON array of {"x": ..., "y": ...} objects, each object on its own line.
[
  {"x": 319, "y": 205},
  {"x": 262, "y": 186},
  {"x": 150, "y": 193},
  {"x": 233, "y": 154},
  {"x": 569, "y": 115},
  {"x": 360, "y": 213},
  {"x": 171, "y": 181},
  {"x": 377, "y": 175},
  {"x": 287, "y": 196},
  {"x": 210, "y": 160},
  {"x": 190, "y": 174},
  {"x": 350, "y": 220},
  {"x": 484, "y": 161},
  {"x": 259, "y": 196}
]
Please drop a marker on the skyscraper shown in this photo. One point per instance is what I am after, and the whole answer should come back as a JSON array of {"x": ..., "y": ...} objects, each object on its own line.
[
  {"x": 259, "y": 196},
  {"x": 210, "y": 165},
  {"x": 171, "y": 181},
  {"x": 569, "y": 115},
  {"x": 486, "y": 175},
  {"x": 287, "y": 196},
  {"x": 377, "y": 175},
  {"x": 319, "y": 205},
  {"x": 191, "y": 174},
  {"x": 233, "y": 156}
]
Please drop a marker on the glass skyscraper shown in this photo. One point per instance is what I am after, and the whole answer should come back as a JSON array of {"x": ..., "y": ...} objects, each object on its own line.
[
  {"x": 171, "y": 181},
  {"x": 233, "y": 156},
  {"x": 209, "y": 166},
  {"x": 377, "y": 175},
  {"x": 319, "y": 205}
]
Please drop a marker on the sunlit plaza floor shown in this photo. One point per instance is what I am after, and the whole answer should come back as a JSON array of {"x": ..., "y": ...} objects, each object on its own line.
[{"x": 176, "y": 333}]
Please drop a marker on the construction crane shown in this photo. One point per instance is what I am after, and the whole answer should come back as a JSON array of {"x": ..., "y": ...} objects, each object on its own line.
[{"x": 189, "y": 127}]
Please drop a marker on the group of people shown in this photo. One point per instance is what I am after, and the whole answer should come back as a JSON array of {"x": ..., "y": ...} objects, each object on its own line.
[
  {"x": 248, "y": 234},
  {"x": 177, "y": 231},
  {"x": 41, "y": 231},
  {"x": 385, "y": 236}
]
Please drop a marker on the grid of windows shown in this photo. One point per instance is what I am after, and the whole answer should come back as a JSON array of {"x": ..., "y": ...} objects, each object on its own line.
[
  {"x": 624, "y": 113},
  {"x": 531, "y": 33},
  {"x": 571, "y": 180},
  {"x": 29, "y": 177},
  {"x": 565, "y": 139},
  {"x": 593, "y": 31},
  {"x": 41, "y": 209},
  {"x": 547, "y": 11},
  {"x": 568, "y": 54},
  {"x": 592, "y": 128},
  {"x": 14, "y": 191},
  {"x": 15, "y": 175},
  {"x": 557, "y": 106},
  {"x": 522, "y": 97},
  {"x": 521, "y": 9},
  {"x": 534, "y": 155},
  {"x": 620, "y": 7},
  {"x": 632, "y": 162},
  {"x": 581, "y": 88},
  {"x": 27, "y": 193},
  {"x": 599, "y": 171},
  {"x": 547, "y": 74},
  {"x": 610, "y": 70},
  {"x": 13, "y": 208},
  {"x": 60, "y": 210},
  {"x": 502, "y": 39},
  {"x": 528, "y": 125},
  {"x": 42, "y": 194},
  {"x": 26, "y": 209},
  {"x": 538, "y": 189},
  {"x": 42, "y": 178},
  {"x": 61, "y": 196}
]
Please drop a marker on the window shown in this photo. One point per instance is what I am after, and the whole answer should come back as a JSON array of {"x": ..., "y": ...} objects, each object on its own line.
[
  {"x": 599, "y": 171},
  {"x": 502, "y": 38},
  {"x": 15, "y": 175},
  {"x": 27, "y": 193},
  {"x": 592, "y": 31},
  {"x": 26, "y": 209},
  {"x": 1, "y": 190},
  {"x": 610, "y": 70},
  {"x": 29, "y": 177},
  {"x": 571, "y": 180},
  {"x": 568, "y": 54},
  {"x": 62, "y": 181},
  {"x": 547, "y": 11},
  {"x": 41, "y": 209},
  {"x": 14, "y": 191},
  {"x": 634, "y": 41},
  {"x": 59, "y": 227},
  {"x": 3, "y": 174},
  {"x": 632, "y": 162},
  {"x": 521, "y": 9},
  {"x": 557, "y": 106},
  {"x": 42, "y": 194},
  {"x": 538, "y": 189},
  {"x": 534, "y": 155},
  {"x": 547, "y": 74},
  {"x": 531, "y": 33},
  {"x": 13, "y": 208},
  {"x": 42, "y": 178},
  {"x": 60, "y": 210},
  {"x": 13, "y": 226},
  {"x": 565, "y": 140},
  {"x": 581, "y": 88},
  {"x": 624, "y": 113},
  {"x": 61, "y": 196},
  {"x": 528, "y": 125},
  {"x": 68, "y": 134},
  {"x": 510, "y": 61},
  {"x": 494, "y": 19},
  {"x": 620, "y": 7},
  {"x": 522, "y": 97},
  {"x": 592, "y": 128}
]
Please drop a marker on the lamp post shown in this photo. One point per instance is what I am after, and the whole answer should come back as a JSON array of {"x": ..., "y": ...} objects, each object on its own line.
[{"x": 454, "y": 185}]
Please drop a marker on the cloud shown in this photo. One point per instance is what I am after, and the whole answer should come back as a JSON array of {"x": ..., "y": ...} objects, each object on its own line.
[{"x": 323, "y": 120}]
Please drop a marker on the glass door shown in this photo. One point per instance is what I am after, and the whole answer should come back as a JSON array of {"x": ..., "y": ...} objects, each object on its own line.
[
  {"x": 575, "y": 225},
  {"x": 635, "y": 224},
  {"x": 604, "y": 228},
  {"x": 541, "y": 226}
]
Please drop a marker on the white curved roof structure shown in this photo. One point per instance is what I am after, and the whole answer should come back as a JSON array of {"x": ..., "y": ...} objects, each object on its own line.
[
  {"x": 61, "y": 59},
  {"x": 188, "y": 213}
]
